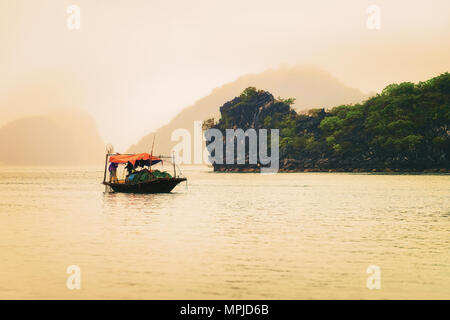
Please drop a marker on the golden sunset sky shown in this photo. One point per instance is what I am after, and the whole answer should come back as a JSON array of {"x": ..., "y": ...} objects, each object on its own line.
[{"x": 135, "y": 64}]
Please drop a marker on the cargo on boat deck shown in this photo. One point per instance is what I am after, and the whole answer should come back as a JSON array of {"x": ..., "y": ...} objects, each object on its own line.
[{"x": 145, "y": 175}]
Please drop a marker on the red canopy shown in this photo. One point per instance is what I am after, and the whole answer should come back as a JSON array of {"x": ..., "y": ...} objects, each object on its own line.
[{"x": 124, "y": 158}]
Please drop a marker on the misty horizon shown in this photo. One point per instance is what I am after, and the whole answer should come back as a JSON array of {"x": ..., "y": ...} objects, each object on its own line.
[{"x": 135, "y": 68}]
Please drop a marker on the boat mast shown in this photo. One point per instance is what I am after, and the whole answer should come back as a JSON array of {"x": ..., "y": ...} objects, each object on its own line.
[
  {"x": 173, "y": 161},
  {"x": 151, "y": 154}
]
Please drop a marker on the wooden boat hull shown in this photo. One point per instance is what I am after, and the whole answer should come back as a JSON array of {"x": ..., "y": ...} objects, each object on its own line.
[{"x": 164, "y": 185}]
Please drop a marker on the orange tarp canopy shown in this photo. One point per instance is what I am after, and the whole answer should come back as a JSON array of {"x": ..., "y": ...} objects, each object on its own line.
[{"x": 124, "y": 158}]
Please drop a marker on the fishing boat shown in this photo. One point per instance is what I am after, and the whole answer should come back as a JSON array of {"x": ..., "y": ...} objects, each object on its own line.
[{"x": 140, "y": 177}]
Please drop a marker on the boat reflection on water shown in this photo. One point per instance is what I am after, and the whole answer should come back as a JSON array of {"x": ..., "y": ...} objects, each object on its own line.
[{"x": 140, "y": 177}]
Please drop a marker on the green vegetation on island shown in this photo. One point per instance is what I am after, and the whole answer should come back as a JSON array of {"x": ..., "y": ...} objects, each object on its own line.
[{"x": 404, "y": 128}]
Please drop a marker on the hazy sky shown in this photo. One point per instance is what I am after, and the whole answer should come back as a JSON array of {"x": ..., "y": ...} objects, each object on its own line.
[{"x": 135, "y": 63}]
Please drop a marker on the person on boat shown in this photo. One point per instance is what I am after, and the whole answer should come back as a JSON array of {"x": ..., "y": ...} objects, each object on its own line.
[
  {"x": 113, "y": 172},
  {"x": 129, "y": 167}
]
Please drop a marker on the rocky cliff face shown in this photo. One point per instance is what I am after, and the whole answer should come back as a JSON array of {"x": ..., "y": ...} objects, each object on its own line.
[{"x": 248, "y": 111}]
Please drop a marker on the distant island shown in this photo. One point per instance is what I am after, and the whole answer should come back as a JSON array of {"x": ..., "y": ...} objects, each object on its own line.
[
  {"x": 66, "y": 137},
  {"x": 405, "y": 128}
]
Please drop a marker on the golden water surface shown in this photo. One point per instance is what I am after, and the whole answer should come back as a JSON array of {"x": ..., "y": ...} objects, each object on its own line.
[{"x": 225, "y": 236}]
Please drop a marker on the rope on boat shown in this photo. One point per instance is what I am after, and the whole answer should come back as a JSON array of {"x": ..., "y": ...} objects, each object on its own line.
[
  {"x": 181, "y": 173},
  {"x": 179, "y": 170}
]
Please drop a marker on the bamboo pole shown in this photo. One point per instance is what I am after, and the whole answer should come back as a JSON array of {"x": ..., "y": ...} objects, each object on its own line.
[
  {"x": 151, "y": 154},
  {"x": 106, "y": 164}
]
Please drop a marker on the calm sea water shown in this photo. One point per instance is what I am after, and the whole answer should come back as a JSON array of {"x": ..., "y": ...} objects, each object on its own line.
[{"x": 225, "y": 236}]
